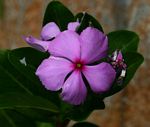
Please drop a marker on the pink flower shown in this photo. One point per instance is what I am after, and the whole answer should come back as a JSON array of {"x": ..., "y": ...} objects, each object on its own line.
[
  {"x": 72, "y": 56},
  {"x": 49, "y": 31}
]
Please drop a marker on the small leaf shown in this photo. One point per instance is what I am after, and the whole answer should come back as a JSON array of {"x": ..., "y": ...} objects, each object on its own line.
[
  {"x": 126, "y": 41},
  {"x": 87, "y": 20},
  {"x": 25, "y": 101},
  {"x": 84, "y": 124},
  {"x": 58, "y": 13},
  {"x": 133, "y": 61}
]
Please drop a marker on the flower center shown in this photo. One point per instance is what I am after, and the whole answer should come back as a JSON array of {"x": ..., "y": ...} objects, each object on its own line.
[{"x": 78, "y": 65}]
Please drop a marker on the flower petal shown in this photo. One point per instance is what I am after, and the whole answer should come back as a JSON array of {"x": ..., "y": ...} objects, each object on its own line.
[
  {"x": 100, "y": 77},
  {"x": 49, "y": 31},
  {"x": 120, "y": 57},
  {"x": 37, "y": 44},
  {"x": 73, "y": 26},
  {"x": 94, "y": 45},
  {"x": 67, "y": 45},
  {"x": 53, "y": 71},
  {"x": 74, "y": 90}
]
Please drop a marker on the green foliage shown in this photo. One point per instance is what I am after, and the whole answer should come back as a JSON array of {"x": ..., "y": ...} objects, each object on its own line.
[
  {"x": 126, "y": 41},
  {"x": 86, "y": 20},
  {"x": 91, "y": 103},
  {"x": 133, "y": 61},
  {"x": 19, "y": 100},
  {"x": 58, "y": 13},
  {"x": 20, "y": 93},
  {"x": 11, "y": 118},
  {"x": 24, "y": 102},
  {"x": 27, "y": 70}
]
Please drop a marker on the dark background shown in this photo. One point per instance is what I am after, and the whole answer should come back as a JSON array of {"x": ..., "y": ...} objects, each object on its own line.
[{"x": 129, "y": 108}]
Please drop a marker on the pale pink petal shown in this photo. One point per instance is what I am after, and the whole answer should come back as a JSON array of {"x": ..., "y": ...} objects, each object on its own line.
[
  {"x": 74, "y": 90},
  {"x": 94, "y": 45},
  {"x": 100, "y": 77},
  {"x": 119, "y": 57},
  {"x": 73, "y": 26},
  {"x": 67, "y": 45},
  {"x": 50, "y": 31},
  {"x": 53, "y": 71},
  {"x": 37, "y": 44}
]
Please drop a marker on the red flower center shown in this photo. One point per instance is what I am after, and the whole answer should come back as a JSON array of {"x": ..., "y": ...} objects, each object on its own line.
[{"x": 79, "y": 65}]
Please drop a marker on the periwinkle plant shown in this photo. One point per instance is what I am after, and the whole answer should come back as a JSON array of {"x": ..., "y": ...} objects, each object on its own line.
[{"x": 68, "y": 72}]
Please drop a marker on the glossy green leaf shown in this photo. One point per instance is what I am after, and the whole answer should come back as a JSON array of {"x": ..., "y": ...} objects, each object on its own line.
[
  {"x": 32, "y": 56},
  {"x": 126, "y": 41},
  {"x": 13, "y": 80},
  {"x": 84, "y": 124},
  {"x": 11, "y": 118},
  {"x": 133, "y": 61},
  {"x": 19, "y": 100},
  {"x": 58, "y": 13},
  {"x": 9, "y": 76},
  {"x": 26, "y": 64},
  {"x": 87, "y": 20}
]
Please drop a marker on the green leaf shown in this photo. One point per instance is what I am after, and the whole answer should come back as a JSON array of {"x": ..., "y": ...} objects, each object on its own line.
[
  {"x": 38, "y": 114},
  {"x": 133, "y": 61},
  {"x": 10, "y": 118},
  {"x": 22, "y": 60},
  {"x": 81, "y": 112},
  {"x": 32, "y": 56},
  {"x": 87, "y": 20},
  {"x": 127, "y": 42},
  {"x": 124, "y": 40},
  {"x": 45, "y": 125},
  {"x": 84, "y": 124},
  {"x": 25, "y": 64},
  {"x": 9, "y": 76},
  {"x": 25, "y": 101},
  {"x": 58, "y": 13},
  {"x": 13, "y": 80}
]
